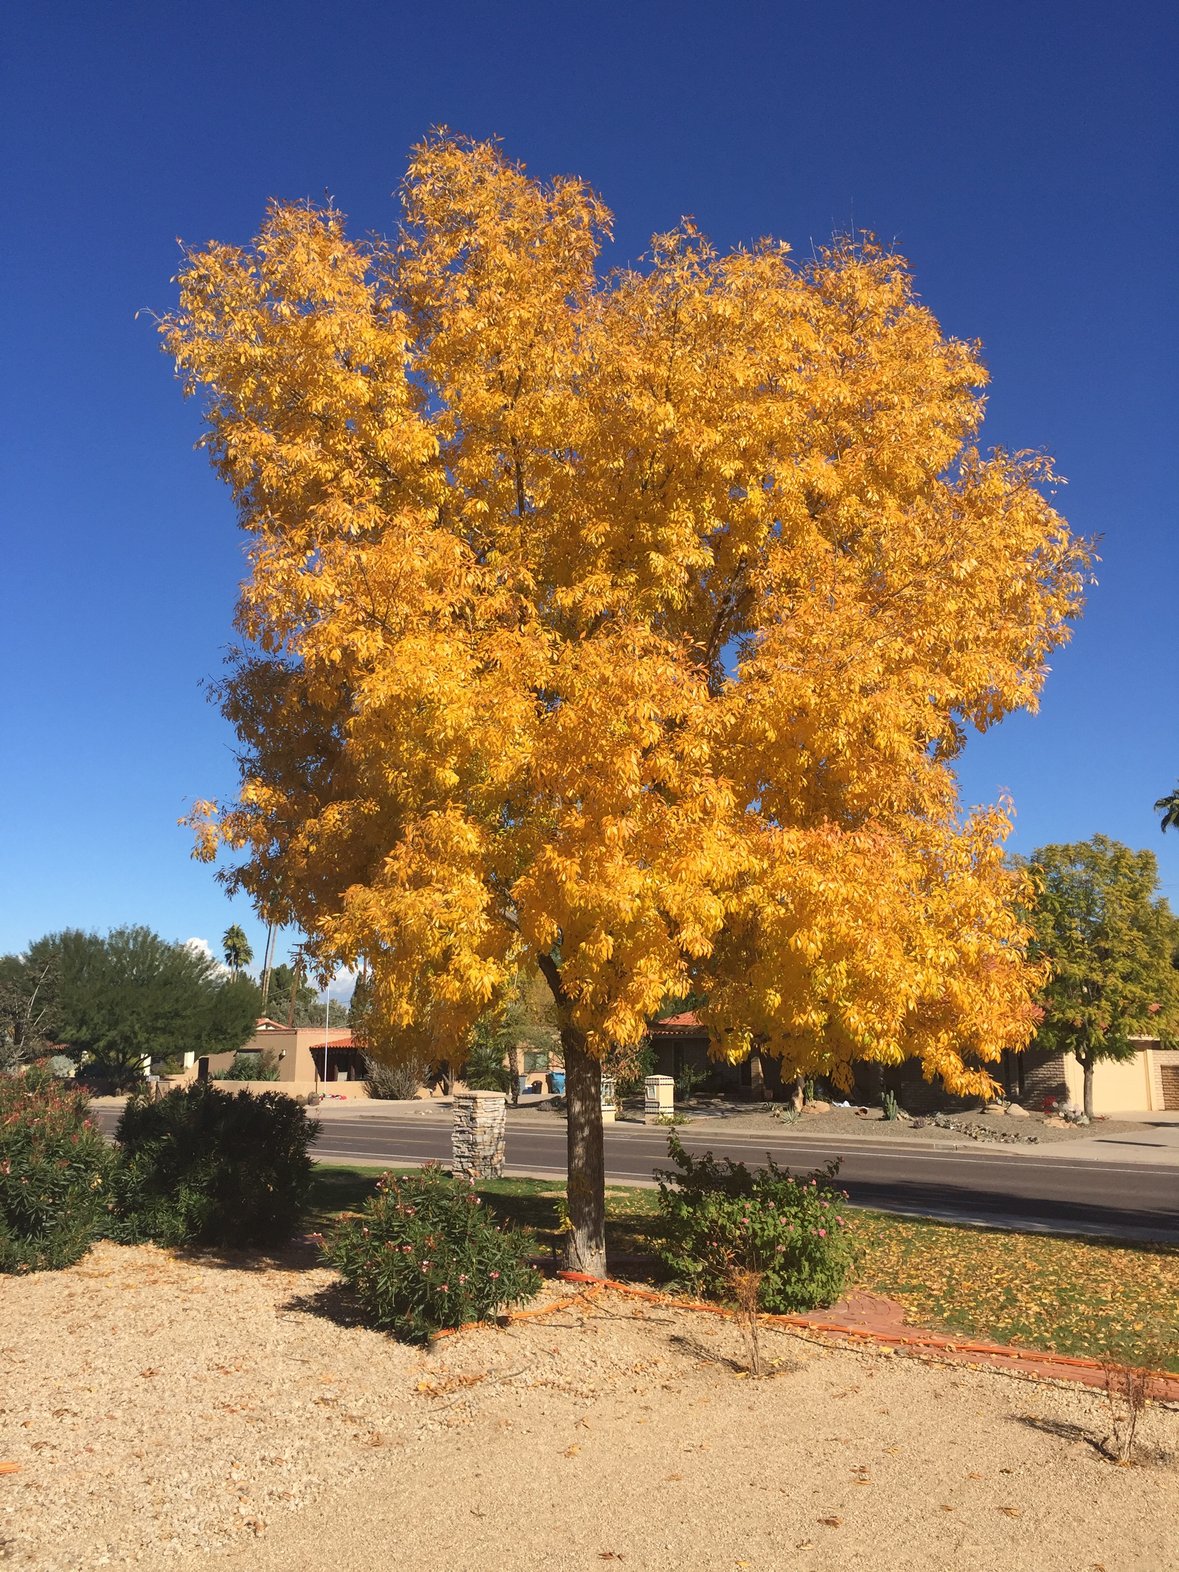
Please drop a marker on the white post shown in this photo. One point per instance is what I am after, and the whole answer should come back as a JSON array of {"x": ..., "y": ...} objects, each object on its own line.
[{"x": 659, "y": 1098}]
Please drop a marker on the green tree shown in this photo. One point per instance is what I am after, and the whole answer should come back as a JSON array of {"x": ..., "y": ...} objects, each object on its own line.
[
  {"x": 1110, "y": 940},
  {"x": 236, "y": 948},
  {"x": 293, "y": 999},
  {"x": 1168, "y": 806},
  {"x": 130, "y": 995}
]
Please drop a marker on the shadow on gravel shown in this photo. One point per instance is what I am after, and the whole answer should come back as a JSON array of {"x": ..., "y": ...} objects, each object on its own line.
[
  {"x": 1144, "y": 1455},
  {"x": 301, "y": 1255},
  {"x": 333, "y": 1303},
  {"x": 1063, "y": 1430}
]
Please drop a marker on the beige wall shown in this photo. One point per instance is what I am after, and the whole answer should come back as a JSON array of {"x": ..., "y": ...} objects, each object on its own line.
[
  {"x": 1124, "y": 1087},
  {"x": 298, "y": 1051},
  {"x": 350, "y": 1090}
]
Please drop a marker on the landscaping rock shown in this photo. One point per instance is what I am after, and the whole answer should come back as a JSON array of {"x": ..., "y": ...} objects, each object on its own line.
[
  {"x": 816, "y": 1107},
  {"x": 1014, "y": 1111}
]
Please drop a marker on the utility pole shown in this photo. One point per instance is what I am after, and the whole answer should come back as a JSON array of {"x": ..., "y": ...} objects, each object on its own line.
[{"x": 268, "y": 961}]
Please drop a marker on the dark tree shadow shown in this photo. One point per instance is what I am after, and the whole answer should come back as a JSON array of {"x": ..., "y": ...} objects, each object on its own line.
[{"x": 334, "y": 1303}]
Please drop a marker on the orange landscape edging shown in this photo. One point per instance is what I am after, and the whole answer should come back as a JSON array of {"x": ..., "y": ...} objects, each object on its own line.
[{"x": 1164, "y": 1384}]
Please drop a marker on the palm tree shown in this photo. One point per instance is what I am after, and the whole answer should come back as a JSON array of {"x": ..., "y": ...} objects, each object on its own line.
[
  {"x": 1169, "y": 808},
  {"x": 236, "y": 949}
]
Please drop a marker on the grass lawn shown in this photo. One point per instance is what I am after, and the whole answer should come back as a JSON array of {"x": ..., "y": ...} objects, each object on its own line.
[{"x": 1070, "y": 1295}]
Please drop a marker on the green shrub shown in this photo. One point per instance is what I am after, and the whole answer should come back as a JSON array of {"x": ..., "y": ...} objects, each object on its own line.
[
  {"x": 722, "y": 1218},
  {"x": 252, "y": 1066},
  {"x": 54, "y": 1174},
  {"x": 424, "y": 1254},
  {"x": 689, "y": 1081},
  {"x": 485, "y": 1070},
  {"x": 205, "y": 1166}
]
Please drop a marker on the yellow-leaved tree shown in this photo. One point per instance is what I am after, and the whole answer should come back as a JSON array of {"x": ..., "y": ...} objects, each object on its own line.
[{"x": 626, "y": 624}]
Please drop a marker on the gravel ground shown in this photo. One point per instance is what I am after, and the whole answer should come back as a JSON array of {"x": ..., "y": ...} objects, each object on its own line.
[{"x": 177, "y": 1413}]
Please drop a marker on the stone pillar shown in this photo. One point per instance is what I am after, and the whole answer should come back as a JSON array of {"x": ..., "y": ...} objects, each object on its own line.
[
  {"x": 479, "y": 1134},
  {"x": 659, "y": 1098},
  {"x": 609, "y": 1112}
]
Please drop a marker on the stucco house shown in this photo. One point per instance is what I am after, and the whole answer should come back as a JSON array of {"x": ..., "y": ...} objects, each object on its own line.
[
  {"x": 308, "y": 1058},
  {"x": 1147, "y": 1083}
]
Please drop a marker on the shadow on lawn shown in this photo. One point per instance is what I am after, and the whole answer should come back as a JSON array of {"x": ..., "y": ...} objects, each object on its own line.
[{"x": 632, "y": 1238}]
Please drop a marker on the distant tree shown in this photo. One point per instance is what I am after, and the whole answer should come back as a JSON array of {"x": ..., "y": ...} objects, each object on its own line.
[
  {"x": 29, "y": 987},
  {"x": 130, "y": 995},
  {"x": 237, "y": 948},
  {"x": 1110, "y": 939},
  {"x": 287, "y": 985},
  {"x": 1169, "y": 808}
]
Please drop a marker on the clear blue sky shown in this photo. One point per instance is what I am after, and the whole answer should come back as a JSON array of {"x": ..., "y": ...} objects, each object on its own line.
[{"x": 1020, "y": 155}]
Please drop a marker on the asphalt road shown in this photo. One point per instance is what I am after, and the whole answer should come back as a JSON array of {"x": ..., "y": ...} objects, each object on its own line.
[{"x": 1058, "y": 1191}]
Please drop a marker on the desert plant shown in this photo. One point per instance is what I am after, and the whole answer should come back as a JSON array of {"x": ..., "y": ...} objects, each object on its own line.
[
  {"x": 396, "y": 1082},
  {"x": 211, "y": 1167},
  {"x": 424, "y": 1254},
  {"x": 54, "y": 1174},
  {"x": 722, "y": 1217},
  {"x": 484, "y": 1069},
  {"x": 890, "y": 1105}
]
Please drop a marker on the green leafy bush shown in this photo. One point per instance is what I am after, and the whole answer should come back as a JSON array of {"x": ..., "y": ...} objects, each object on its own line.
[
  {"x": 212, "y": 1167},
  {"x": 484, "y": 1069},
  {"x": 722, "y": 1218},
  {"x": 252, "y": 1066},
  {"x": 54, "y": 1174},
  {"x": 424, "y": 1254}
]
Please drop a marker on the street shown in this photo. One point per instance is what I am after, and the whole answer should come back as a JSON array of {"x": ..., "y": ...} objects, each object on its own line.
[{"x": 1075, "y": 1187}]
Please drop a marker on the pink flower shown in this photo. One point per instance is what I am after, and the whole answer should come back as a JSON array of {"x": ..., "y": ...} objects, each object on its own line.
[
  {"x": 839, "y": 1220},
  {"x": 493, "y": 1274},
  {"x": 822, "y": 1232},
  {"x": 443, "y": 1288}
]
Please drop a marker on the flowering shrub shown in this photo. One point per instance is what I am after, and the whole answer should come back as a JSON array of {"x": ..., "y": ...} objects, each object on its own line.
[
  {"x": 722, "y": 1219},
  {"x": 54, "y": 1174},
  {"x": 424, "y": 1254},
  {"x": 212, "y": 1167}
]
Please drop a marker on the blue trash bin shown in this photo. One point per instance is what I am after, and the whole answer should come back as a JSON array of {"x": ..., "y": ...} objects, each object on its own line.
[{"x": 557, "y": 1082}]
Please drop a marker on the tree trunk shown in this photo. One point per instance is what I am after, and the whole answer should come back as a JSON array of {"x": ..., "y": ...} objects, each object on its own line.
[
  {"x": 1087, "y": 1069},
  {"x": 585, "y": 1243}
]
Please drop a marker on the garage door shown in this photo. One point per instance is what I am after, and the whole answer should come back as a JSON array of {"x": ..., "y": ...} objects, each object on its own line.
[{"x": 1170, "y": 1075}]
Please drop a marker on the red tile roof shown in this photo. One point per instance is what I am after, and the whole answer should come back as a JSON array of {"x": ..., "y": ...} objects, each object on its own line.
[{"x": 686, "y": 1021}]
